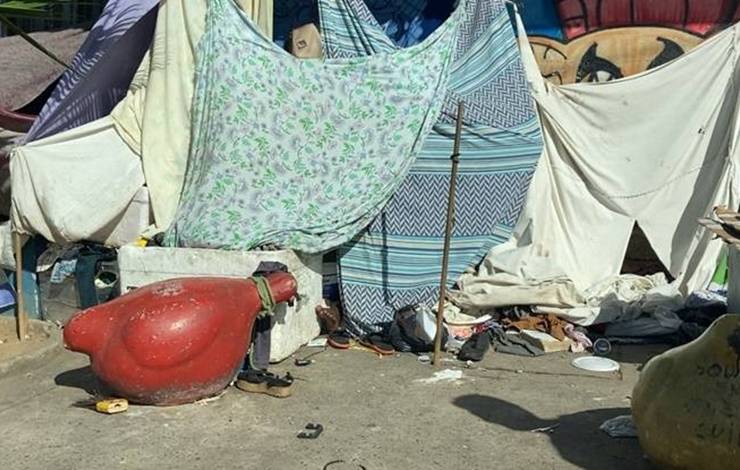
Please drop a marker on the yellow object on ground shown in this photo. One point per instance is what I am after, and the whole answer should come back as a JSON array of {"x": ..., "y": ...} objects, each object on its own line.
[
  {"x": 112, "y": 406},
  {"x": 686, "y": 405}
]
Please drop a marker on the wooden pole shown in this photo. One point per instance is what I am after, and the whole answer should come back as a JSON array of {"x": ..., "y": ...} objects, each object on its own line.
[
  {"x": 448, "y": 234},
  {"x": 21, "y": 317}
]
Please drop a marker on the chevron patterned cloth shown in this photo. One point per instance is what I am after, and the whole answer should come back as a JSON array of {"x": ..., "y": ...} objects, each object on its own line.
[{"x": 397, "y": 260}]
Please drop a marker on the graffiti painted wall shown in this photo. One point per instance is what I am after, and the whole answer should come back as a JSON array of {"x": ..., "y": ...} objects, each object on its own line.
[{"x": 601, "y": 40}]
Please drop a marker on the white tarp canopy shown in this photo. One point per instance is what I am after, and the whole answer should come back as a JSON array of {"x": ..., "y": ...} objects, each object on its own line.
[
  {"x": 659, "y": 149},
  {"x": 75, "y": 185}
]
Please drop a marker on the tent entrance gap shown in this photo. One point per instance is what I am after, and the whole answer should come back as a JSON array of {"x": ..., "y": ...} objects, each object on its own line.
[{"x": 640, "y": 258}]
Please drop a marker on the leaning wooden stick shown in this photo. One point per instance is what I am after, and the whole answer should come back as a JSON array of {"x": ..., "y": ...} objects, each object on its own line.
[
  {"x": 21, "y": 317},
  {"x": 448, "y": 235}
]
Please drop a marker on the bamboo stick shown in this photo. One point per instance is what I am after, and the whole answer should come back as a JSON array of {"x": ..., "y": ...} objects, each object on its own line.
[
  {"x": 455, "y": 157},
  {"x": 21, "y": 317}
]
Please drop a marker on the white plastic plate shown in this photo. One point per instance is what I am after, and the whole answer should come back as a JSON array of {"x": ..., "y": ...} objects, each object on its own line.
[{"x": 595, "y": 364}]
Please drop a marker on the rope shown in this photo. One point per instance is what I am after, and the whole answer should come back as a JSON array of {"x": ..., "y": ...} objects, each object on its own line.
[{"x": 263, "y": 289}]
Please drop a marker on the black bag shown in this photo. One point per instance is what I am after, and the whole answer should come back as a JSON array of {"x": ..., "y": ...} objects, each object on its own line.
[{"x": 408, "y": 332}]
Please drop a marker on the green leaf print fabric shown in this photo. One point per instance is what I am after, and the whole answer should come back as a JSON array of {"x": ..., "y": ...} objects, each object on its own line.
[{"x": 300, "y": 153}]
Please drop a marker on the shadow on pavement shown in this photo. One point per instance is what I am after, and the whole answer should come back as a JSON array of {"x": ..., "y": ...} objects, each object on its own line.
[
  {"x": 577, "y": 436},
  {"x": 637, "y": 354},
  {"x": 82, "y": 378}
]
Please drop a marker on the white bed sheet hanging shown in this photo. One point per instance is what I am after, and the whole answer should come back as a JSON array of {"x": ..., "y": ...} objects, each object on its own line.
[
  {"x": 659, "y": 149},
  {"x": 75, "y": 185}
]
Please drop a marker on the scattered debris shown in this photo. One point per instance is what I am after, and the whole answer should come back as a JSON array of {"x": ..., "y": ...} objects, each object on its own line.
[
  {"x": 424, "y": 358},
  {"x": 621, "y": 426},
  {"x": 547, "y": 429},
  {"x": 319, "y": 342},
  {"x": 208, "y": 400},
  {"x": 311, "y": 431},
  {"x": 447, "y": 375},
  {"x": 335, "y": 462},
  {"x": 307, "y": 361}
]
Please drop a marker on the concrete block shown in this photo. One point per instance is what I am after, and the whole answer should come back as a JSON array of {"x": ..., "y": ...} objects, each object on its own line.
[{"x": 293, "y": 327}]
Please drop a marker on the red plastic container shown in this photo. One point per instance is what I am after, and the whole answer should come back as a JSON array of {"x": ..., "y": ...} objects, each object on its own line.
[{"x": 175, "y": 341}]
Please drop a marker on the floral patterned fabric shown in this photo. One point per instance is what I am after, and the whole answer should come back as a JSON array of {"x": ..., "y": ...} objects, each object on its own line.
[{"x": 300, "y": 153}]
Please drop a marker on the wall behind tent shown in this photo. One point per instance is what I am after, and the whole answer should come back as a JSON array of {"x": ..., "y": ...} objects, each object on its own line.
[{"x": 601, "y": 40}]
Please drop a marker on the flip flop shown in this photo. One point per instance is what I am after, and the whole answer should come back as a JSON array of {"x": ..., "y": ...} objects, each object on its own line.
[
  {"x": 258, "y": 381},
  {"x": 340, "y": 339},
  {"x": 378, "y": 343}
]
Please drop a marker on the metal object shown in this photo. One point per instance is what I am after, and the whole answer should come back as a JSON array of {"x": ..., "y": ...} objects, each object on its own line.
[
  {"x": 455, "y": 157},
  {"x": 335, "y": 462},
  {"x": 602, "y": 347},
  {"x": 311, "y": 431}
]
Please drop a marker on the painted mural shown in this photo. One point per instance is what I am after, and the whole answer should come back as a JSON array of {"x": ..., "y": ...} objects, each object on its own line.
[{"x": 602, "y": 40}]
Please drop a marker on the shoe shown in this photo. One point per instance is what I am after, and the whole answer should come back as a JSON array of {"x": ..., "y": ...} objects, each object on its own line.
[
  {"x": 259, "y": 381},
  {"x": 340, "y": 339},
  {"x": 378, "y": 343}
]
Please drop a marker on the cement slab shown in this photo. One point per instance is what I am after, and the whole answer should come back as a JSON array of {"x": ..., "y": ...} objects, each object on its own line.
[
  {"x": 378, "y": 413},
  {"x": 43, "y": 340}
]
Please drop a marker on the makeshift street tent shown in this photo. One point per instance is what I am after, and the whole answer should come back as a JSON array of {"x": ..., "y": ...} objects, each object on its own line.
[
  {"x": 306, "y": 161},
  {"x": 101, "y": 72},
  {"x": 396, "y": 262},
  {"x": 75, "y": 185},
  {"x": 87, "y": 195},
  {"x": 659, "y": 149},
  {"x": 150, "y": 119},
  {"x": 155, "y": 117}
]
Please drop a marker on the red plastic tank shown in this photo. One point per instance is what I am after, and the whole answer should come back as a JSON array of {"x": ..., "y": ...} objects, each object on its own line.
[{"x": 175, "y": 341}]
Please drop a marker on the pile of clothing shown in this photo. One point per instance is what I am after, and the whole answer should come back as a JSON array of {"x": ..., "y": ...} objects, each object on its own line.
[{"x": 507, "y": 329}]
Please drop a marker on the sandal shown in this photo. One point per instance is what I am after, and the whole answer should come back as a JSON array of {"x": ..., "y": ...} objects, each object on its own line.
[
  {"x": 340, "y": 339},
  {"x": 260, "y": 381},
  {"x": 378, "y": 343}
]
